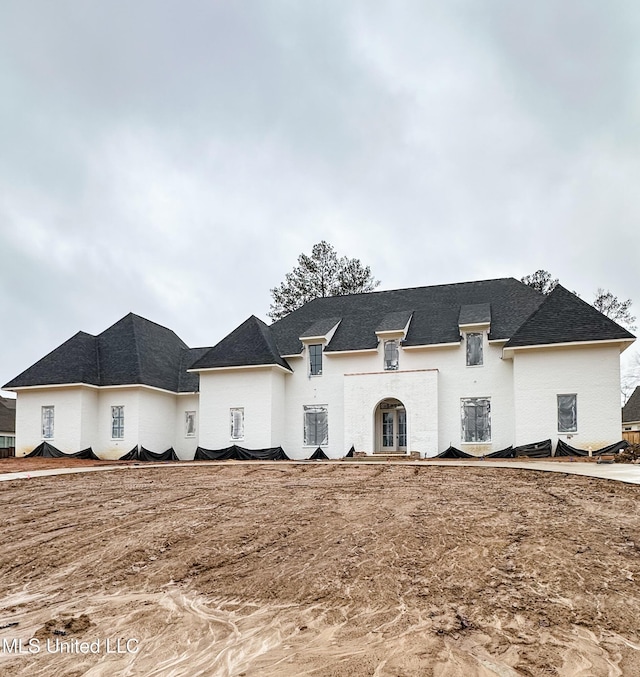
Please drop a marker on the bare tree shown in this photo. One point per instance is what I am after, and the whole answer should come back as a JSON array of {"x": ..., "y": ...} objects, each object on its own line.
[
  {"x": 541, "y": 280},
  {"x": 319, "y": 275},
  {"x": 617, "y": 310}
]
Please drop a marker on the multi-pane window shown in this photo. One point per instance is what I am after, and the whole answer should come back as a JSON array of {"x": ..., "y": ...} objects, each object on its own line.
[
  {"x": 189, "y": 423},
  {"x": 474, "y": 350},
  {"x": 47, "y": 422},
  {"x": 316, "y": 425},
  {"x": 476, "y": 419},
  {"x": 117, "y": 422},
  {"x": 237, "y": 423},
  {"x": 567, "y": 413},
  {"x": 391, "y": 355},
  {"x": 315, "y": 359}
]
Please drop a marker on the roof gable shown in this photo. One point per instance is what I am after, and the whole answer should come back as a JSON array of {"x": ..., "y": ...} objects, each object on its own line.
[
  {"x": 250, "y": 344},
  {"x": 565, "y": 318}
]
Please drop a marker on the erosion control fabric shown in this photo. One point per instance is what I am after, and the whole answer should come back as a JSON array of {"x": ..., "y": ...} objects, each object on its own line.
[
  {"x": 240, "y": 454},
  {"x": 537, "y": 450},
  {"x": 46, "y": 450},
  {"x": 564, "y": 449},
  {"x": 452, "y": 452}
]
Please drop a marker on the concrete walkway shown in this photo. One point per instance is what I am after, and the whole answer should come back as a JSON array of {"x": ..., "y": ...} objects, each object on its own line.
[{"x": 621, "y": 472}]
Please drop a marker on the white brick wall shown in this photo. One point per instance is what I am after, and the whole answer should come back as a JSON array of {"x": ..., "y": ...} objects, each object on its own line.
[
  {"x": 593, "y": 373},
  {"x": 430, "y": 383}
]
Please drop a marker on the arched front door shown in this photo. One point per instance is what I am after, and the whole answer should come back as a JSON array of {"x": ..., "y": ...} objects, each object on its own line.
[{"x": 391, "y": 426}]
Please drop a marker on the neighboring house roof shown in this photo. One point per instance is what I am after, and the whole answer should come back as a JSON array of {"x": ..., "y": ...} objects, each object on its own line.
[
  {"x": 565, "y": 318},
  {"x": 251, "y": 344},
  {"x": 631, "y": 410},
  {"x": 435, "y": 314},
  {"x": 7, "y": 415},
  {"x": 132, "y": 351}
]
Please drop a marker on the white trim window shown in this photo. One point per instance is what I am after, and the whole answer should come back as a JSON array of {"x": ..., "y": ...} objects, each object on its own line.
[
  {"x": 391, "y": 355},
  {"x": 476, "y": 420},
  {"x": 474, "y": 349},
  {"x": 316, "y": 425},
  {"x": 48, "y": 414},
  {"x": 568, "y": 413},
  {"x": 237, "y": 423},
  {"x": 189, "y": 423},
  {"x": 315, "y": 359},
  {"x": 117, "y": 422}
]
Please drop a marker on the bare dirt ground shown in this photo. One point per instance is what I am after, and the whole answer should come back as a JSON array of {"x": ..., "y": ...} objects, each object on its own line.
[{"x": 321, "y": 569}]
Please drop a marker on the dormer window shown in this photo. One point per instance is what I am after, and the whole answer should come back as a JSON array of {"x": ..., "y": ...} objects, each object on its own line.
[
  {"x": 315, "y": 359},
  {"x": 474, "y": 349},
  {"x": 391, "y": 355}
]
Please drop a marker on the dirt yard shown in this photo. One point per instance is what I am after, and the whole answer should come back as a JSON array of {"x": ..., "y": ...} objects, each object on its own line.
[{"x": 320, "y": 569}]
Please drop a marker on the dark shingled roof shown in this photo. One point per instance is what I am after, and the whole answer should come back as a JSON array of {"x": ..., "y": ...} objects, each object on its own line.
[
  {"x": 395, "y": 321},
  {"x": 436, "y": 312},
  {"x": 251, "y": 344},
  {"x": 565, "y": 318},
  {"x": 7, "y": 415},
  {"x": 321, "y": 327},
  {"x": 132, "y": 351},
  {"x": 475, "y": 314},
  {"x": 75, "y": 361},
  {"x": 190, "y": 382},
  {"x": 631, "y": 410}
]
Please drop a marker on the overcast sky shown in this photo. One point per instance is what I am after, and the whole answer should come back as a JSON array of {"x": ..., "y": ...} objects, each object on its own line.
[{"x": 174, "y": 158}]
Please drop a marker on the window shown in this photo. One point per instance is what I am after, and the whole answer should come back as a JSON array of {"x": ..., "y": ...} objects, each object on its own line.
[
  {"x": 237, "y": 423},
  {"x": 391, "y": 355},
  {"x": 189, "y": 423},
  {"x": 117, "y": 422},
  {"x": 315, "y": 359},
  {"x": 316, "y": 427},
  {"x": 476, "y": 419},
  {"x": 474, "y": 350},
  {"x": 567, "y": 413},
  {"x": 47, "y": 422}
]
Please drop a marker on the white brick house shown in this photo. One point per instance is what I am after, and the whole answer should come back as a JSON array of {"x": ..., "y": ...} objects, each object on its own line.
[{"x": 479, "y": 366}]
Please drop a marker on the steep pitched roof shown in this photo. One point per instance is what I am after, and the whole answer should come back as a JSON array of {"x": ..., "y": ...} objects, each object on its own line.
[
  {"x": 132, "y": 351},
  {"x": 435, "y": 318},
  {"x": 7, "y": 415},
  {"x": 565, "y": 318},
  {"x": 136, "y": 350},
  {"x": 251, "y": 344},
  {"x": 631, "y": 410},
  {"x": 75, "y": 361}
]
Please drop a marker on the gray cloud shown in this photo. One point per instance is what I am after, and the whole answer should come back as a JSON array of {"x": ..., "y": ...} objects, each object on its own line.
[{"x": 175, "y": 159}]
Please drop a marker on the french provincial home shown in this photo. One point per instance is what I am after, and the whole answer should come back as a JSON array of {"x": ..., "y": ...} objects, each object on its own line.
[{"x": 476, "y": 365}]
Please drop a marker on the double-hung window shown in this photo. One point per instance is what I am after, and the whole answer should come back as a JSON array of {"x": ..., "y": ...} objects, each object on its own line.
[
  {"x": 476, "y": 419},
  {"x": 391, "y": 356},
  {"x": 237, "y": 423},
  {"x": 315, "y": 359},
  {"x": 567, "y": 413},
  {"x": 117, "y": 422},
  {"x": 474, "y": 349},
  {"x": 47, "y": 422},
  {"x": 189, "y": 423},
  {"x": 316, "y": 425}
]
